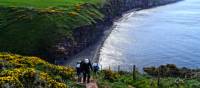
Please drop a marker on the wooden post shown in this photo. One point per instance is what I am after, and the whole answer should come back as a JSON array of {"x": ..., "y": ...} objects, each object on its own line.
[
  {"x": 151, "y": 85},
  {"x": 158, "y": 80},
  {"x": 109, "y": 68},
  {"x": 118, "y": 68},
  {"x": 134, "y": 72}
]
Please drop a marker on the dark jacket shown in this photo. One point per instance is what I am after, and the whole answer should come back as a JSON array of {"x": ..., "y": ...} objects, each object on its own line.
[{"x": 86, "y": 67}]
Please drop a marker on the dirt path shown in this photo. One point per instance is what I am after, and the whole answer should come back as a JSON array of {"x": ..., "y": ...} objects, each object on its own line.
[{"x": 91, "y": 85}]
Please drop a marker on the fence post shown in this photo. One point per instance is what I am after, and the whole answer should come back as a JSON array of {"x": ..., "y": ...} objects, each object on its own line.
[
  {"x": 118, "y": 68},
  {"x": 109, "y": 68},
  {"x": 134, "y": 72},
  {"x": 158, "y": 83},
  {"x": 101, "y": 67}
]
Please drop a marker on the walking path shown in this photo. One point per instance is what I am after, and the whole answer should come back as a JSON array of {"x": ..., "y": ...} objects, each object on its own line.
[{"x": 91, "y": 85}]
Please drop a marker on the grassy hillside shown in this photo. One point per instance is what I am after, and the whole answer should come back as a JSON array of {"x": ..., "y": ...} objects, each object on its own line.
[{"x": 33, "y": 26}]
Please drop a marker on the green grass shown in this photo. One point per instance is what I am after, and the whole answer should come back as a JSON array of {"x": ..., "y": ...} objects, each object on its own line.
[
  {"x": 125, "y": 80},
  {"x": 32, "y": 27},
  {"x": 44, "y": 3}
]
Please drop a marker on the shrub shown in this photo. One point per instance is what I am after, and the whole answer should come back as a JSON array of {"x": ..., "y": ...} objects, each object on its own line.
[
  {"x": 10, "y": 82},
  {"x": 32, "y": 72},
  {"x": 110, "y": 75}
]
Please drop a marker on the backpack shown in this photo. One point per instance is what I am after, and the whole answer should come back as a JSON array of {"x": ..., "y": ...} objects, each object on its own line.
[
  {"x": 78, "y": 65},
  {"x": 96, "y": 66}
]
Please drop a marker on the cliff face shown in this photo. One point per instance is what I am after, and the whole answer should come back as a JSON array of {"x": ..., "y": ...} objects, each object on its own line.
[{"x": 90, "y": 34}]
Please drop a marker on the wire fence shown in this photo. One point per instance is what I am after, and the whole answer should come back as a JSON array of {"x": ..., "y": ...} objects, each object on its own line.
[
  {"x": 177, "y": 78},
  {"x": 125, "y": 68}
]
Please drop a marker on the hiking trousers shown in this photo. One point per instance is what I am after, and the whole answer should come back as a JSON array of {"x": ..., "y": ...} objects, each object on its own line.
[{"x": 86, "y": 75}]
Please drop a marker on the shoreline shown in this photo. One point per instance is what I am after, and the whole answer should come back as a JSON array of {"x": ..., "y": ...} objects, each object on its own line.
[{"x": 93, "y": 51}]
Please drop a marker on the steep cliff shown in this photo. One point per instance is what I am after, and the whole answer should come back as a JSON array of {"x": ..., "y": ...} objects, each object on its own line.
[
  {"x": 60, "y": 29},
  {"x": 87, "y": 35}
]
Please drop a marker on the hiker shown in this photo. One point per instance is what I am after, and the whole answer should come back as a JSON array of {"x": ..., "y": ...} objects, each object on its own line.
[
  {"x": 86, "y": 67},
  {"x": 95, "y": 67},
  {"x": 78, "y": 70}
]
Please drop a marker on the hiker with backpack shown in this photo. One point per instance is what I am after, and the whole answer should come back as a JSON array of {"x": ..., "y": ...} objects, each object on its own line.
[
  {"x": 78, "y": 70},
  {"x": 86, "y": 67},
  {"x": 95, "y": 67}
]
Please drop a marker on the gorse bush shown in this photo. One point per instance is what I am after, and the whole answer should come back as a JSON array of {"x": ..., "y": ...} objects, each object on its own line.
[
  {"x": 32, "y": 72},
  {"x": 110, "y": 75},
  {"x": 10, "y": 81}
]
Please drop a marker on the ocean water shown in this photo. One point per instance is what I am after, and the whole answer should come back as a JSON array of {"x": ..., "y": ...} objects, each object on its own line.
[{"x": 163, "y": 35}]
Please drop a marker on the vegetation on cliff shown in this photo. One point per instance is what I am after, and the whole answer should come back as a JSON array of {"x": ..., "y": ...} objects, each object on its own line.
[
  {"x": 45, "y": 3},
  {"x": 32, "y": 27}
]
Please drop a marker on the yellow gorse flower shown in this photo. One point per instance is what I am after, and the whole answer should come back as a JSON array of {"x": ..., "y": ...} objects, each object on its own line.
[{"x": 21, "y": 69}]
